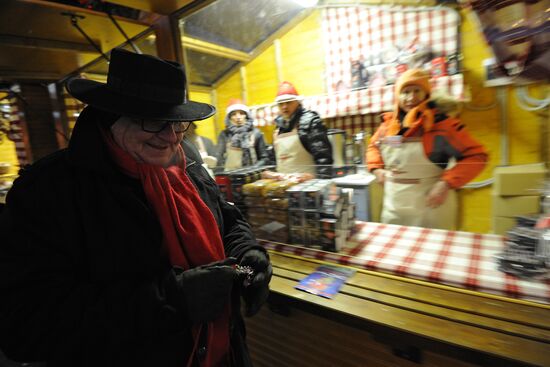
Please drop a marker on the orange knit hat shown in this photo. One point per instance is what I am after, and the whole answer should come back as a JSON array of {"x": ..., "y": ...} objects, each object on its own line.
[
  {"x": 419, "y": 78},
  {"x": 416, "y": 77}
]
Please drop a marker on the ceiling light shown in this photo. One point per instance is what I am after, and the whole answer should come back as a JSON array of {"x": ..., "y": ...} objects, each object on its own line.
[{"x": 306, "y": 3}]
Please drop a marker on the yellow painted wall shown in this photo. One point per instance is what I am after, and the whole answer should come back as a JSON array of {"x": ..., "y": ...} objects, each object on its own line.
[
  {"x": 303, "y": 64},
  {"x": 261, "y": 78},
  {"x": 523, "y": 126},
  {"x": 8, "y": 155},
  {"x": 303, "y": 57},
  {"x": 231, "y": 88}
]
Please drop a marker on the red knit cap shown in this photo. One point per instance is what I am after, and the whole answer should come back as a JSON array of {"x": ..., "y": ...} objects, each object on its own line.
[
  {"x": 236, "y": 104},
  {"x": 287, "y": 92}
]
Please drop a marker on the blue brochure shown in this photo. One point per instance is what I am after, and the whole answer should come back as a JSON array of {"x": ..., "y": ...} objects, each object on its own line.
[{"x": 325, "y": 281}]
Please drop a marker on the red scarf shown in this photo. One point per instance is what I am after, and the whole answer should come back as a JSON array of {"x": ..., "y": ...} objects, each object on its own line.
[{"x": 189, "y": 229}]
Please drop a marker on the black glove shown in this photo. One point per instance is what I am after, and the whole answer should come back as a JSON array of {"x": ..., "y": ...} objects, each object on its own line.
[
  {"x": 206, "y": 289},
  {"x": 256, "y": 290}
]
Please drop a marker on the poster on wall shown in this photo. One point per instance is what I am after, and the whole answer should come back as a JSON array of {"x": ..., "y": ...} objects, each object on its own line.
[{"x": 369, "y": 47}]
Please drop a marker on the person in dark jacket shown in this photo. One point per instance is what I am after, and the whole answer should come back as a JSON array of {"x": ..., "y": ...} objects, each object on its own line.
[
  {"x": 240, "y": 144},
  {"x": 119, "y": 250},
  {"x": 300, "y": 140},
  {"x": 204, "y": 146}
]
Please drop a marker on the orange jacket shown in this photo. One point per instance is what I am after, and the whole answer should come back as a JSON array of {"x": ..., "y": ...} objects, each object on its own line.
[{"x": 447, "y": 138}]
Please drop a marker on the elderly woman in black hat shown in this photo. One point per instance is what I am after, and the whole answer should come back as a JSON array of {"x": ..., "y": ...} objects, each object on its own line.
[{"x": 119, "y": 250}]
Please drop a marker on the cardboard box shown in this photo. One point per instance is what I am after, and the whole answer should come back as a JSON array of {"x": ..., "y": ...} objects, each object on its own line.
[
  {"x": 508, "y": 206},
  {"x": 501, "y": 225},
  {"x": 526, "y": 179}
]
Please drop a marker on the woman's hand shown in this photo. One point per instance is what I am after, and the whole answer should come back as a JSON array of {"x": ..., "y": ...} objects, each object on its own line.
[
  {"x": 437, "y": 195},
  {"x": 380, "y": 174}
]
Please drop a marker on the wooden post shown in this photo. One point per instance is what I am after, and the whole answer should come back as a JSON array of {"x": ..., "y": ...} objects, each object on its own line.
[{"x": 168, "y": 39}]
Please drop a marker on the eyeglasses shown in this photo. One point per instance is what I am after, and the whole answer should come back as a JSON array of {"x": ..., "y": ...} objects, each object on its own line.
[{"x": 152, "y": 126}]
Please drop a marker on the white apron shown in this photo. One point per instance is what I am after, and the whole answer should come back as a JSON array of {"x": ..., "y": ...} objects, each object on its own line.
[
  {"x": 410, "y": 176},
  {"x": 291, "y": 155},
  {"x": 234, "y": 156}
]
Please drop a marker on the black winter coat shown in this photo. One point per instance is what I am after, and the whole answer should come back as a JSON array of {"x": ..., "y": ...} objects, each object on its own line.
[
  {"x": 84, "y": 280},
  {"x": 313, "y": 136}
]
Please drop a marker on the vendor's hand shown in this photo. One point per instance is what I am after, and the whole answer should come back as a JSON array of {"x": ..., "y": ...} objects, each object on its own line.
[
  {"x": 206, "y": 289},
  {"x": 256, "y": 291},
  {"x": 380, "y": 174},
  {"x": 437, "y": 195}
]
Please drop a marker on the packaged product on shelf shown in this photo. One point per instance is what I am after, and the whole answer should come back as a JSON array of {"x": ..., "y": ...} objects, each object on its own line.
[
  {"x": 258, "y": 220},
  {"x": 331, "y": 236},
  {"x": 278, "y": 188},
  {"x": 278, "y": 215},
  {"x": 313, "y": 239},
  {"x": 351, "y": 216},
  {"x": 254, "y": 201},
  {"x": 294, "y": 195},
  {"x": 296, "y": 218},
  {"x": 312, "y": 197},
  {"x": 312, "y": 219},
  {"x": 276, "y": 203},
  {"x": 256, "y": 188},
  {"x": 257, "y": 211},
  {"x": 297, "y": 236}
]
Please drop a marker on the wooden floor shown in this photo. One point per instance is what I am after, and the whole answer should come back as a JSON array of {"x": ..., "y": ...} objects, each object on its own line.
[{"x": 383, "y": 320}]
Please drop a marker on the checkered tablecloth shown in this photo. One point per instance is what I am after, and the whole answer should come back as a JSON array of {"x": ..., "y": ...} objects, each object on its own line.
[{"x": 460, "y": 259}]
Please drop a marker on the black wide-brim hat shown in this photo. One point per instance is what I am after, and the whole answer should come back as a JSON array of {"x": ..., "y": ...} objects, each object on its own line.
[{"x": 141, "y": 86}]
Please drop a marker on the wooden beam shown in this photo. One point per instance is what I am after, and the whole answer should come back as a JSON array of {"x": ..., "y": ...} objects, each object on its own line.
[
  {"x": 167, "y": 35},
  {"x": 214, "y": 49},
  {"x": 46, "y": 44}
]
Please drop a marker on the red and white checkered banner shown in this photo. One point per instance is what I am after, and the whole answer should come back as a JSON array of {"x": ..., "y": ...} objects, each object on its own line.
[
  {"x": 460, "y": 259},
  {"x": 357, "y": 102},
  {"x": 358, "y": 38}
]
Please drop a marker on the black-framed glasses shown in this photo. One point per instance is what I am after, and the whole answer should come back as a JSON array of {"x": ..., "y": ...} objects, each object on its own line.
[{"x": 152, "y": 126}]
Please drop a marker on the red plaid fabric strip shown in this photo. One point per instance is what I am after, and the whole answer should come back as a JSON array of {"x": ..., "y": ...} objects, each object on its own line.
[
  {"x": 357, "y": 102},
  {"x": 459, "y": 259},
  {"x": 403, "y": 268},
  {"x": 473, "y": 267}
]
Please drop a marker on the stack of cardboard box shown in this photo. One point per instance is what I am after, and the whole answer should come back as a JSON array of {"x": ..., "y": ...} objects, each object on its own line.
[{"x": 516, "y": 191}]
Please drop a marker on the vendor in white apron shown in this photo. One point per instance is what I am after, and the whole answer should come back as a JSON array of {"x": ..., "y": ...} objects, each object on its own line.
[
  {"x": 421, "y": 156},
  {"x": 240, "y": 144},
  {"x": 300, "y": 140}
]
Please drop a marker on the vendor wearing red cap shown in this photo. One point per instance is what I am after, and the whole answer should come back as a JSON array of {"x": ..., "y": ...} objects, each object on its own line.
[
  {"x": 300, "y": 139},
  {"x": 410, "y": 154},
  {"x": 240, "y": 144}
]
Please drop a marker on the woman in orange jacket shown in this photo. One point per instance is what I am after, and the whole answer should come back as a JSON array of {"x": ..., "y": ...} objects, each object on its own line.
[{"x": 421, "y": 156}]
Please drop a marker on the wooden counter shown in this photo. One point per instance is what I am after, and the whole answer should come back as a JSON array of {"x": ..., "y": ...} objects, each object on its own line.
[{"x": 377, "y": 317}]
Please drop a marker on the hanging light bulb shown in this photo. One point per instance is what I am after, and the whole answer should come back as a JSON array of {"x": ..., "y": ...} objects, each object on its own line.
[{"x": 306, "y": 3}]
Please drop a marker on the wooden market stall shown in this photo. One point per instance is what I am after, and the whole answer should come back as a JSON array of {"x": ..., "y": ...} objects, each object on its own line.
[{"x": 419, "y": 296}]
